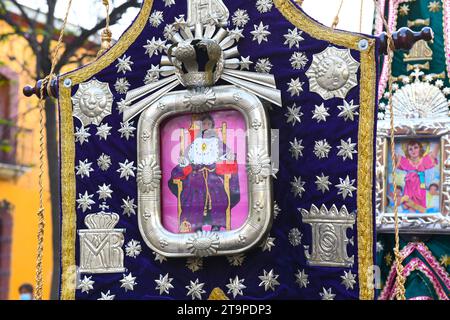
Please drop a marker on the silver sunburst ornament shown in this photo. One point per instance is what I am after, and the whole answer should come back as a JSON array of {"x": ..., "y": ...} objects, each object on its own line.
[
  {"x": 92, "y": 102},
  {"x": 200, "y": 99},
  {"x": 203, "y": 243},
  {"x": 148, "y": 175},
  {"x": 332, "y": 73},
  {"x": 258, "y": 166},
  {"x": 419, "y": 100}
]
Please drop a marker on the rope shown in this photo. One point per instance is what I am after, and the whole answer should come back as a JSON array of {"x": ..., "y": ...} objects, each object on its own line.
[
  {"x": 361, "y": 16},
  {"x": 400, "y": 279},
  {"x": 106, "y": 33},
  {"x": 336, "y": 18},
  {"x": 40, "y": 213}
]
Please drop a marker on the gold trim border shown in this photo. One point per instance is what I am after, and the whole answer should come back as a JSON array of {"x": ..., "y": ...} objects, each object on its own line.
[
  {"x": 365, "y": 133},
  {"x": 68, "y": 191},
  {"x": 365, "y": 154}
]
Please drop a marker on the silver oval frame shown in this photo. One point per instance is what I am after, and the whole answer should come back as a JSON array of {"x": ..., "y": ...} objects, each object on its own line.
[{"x": 258, "y": 164}]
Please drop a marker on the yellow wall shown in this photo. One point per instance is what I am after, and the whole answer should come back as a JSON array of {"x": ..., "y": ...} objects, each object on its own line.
[{"x": 23, "y": 193}]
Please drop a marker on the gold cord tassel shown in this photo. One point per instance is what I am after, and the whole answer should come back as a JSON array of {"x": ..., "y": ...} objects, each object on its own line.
[
  {"x": 106, "y": 33},
  {"x": 336, "y": 18},
  {"x": 41, "y": 211},
  {"x": 400, "y": 279}
]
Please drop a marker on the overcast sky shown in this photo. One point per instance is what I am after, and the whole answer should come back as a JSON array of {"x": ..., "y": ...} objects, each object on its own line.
[{"x": 321, "y": 10}]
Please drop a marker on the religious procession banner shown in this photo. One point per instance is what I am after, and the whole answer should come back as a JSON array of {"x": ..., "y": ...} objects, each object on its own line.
[{"x": 221, "y": 150}]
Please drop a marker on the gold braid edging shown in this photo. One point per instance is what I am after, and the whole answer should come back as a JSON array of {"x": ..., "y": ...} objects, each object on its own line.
[
  {"x": 365, "y": 136},
  {"x": 68, "y": 272},
  {"x": 365, "y": 173}
]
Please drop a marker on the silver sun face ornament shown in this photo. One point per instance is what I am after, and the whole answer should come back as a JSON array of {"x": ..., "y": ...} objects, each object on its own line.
[
  {"x": 333, "y": 73},
  {"x": 92, "y": 102}
]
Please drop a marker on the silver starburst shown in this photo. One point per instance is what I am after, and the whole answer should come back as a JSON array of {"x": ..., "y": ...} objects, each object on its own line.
[
  {"x": 104, "y": 162},
  {"x": 169, "y": 3},
  {"x": 128, "y": 282},
  {"x": 85, "y": 201},
  {"x": 106, "y": 296},
  {"x": 156, "y": 18},
  {"x": 133, "y": 248},
  {"x": 86, "y": 284},
  {"x": 260, "y": 33},
  {"x": 126, "y": 130},
  {"x": 104, "y": 192},
  {"x": 236, "y": 260},
  {"x": 124, "y": 64},
  {"x": 320, "y": 113},
  {"x": 297, "y": 187},
  {"x": 195, "y": 289},
  {"x": 103, "y": 131},
  {"x": 264, "y": 6},
  {"x": 194, "y": 263},
  {"x": 293, "y": 38},
  {"x": 268, "y": 243},
  {"x": 152, "y": 74},
  {"x": 122, "y": 105},
  {"x": 295, "y": 87},
  {"x": 154, "y": 46},
  {"x": 348, "y": 111},
  {"x": 84, "y": 168},
  {"x": 82, "y": 135},
  {"x": 245, "y": 63},
  {"x": 126, "y": 169},
  {"x": 236, "y": 34},
  {"x": 326, "y": 294},
  {"x": 321, "y": 149},
  {"x": 236, "y": 286},
  {"x": 269, "y": 280},
  {"x": 298, "y": 60},
  {"x": 163, "y": 284},
  {"x": 169, "y": 31},
  {"x": 240, "y": 18},
  {"x": 346, "y": 149},
  {"x": 128, "y": 206},
  {"x": 294, "y": 115},
  {"x": 323, "y": 183},
  {"x": 263, "y": 65},
  {"x": 346, "y": 187},
  {"x": 276, "y": 210},
  {"x": 295, "y": 237},
  {"x": 348, "y": 279},
  {"x": 122, "y": 85},
  {"x": 159, "y": 257},
  {"x": 301, "y": 278}
]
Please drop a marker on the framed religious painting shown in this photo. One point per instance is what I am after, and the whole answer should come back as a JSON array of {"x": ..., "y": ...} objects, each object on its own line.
[
  {"x": 420, "y": 186},
  {"x": 204, "y": 174}
]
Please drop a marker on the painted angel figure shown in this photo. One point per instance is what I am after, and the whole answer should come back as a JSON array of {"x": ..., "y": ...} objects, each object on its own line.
[
  {"x": 415, "y": 162},
  {"x": 205, "y": 181}
]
